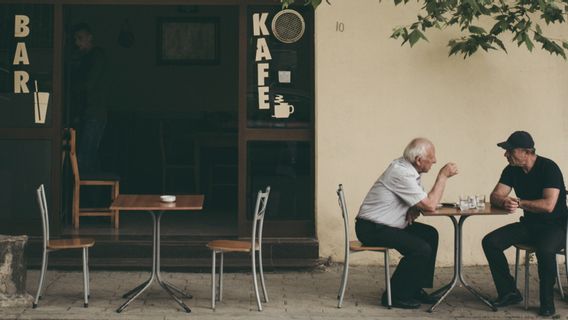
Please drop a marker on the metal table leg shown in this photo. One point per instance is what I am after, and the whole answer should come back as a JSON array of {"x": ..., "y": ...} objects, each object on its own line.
[
  {"x": 134, "y": 293},
  {"x": 458, "y": 274}
]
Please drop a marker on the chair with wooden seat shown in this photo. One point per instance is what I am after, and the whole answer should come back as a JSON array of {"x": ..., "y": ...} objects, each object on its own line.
[
  {"x": 60, "y": 244},
  {"x": 91, "y": 179},
  {"x": 354, "y": 247},
  {"x": 530, "y": 250},
  {"x": 252, "y": 247}
]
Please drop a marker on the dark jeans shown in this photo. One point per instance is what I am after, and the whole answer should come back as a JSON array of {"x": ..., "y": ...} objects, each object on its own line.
[
  {"x": 547, "y": 240},
  {"x": 89, "y": 137},
  {"x": 418, "y": 243}
]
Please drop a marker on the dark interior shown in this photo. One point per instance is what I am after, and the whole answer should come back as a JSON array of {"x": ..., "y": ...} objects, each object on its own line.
[{"x": 172, "y": 127}]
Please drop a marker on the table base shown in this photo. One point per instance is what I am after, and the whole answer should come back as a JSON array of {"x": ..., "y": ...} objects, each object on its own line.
[
  {"x": 458, "y": 274},
  {"x": 155, "y": 276}
]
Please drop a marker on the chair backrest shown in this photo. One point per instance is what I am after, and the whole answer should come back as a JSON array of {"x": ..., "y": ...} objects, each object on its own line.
[
  {"x": 344, "y": 213},
  {"x": 73, "y": 154},
  {"x": 258, "y": 219},
  {"x": 42, "y": 202}
]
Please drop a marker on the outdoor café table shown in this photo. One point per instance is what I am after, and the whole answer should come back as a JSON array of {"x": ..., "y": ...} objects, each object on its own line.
[
  {"x": 452, "y": 213},
  {"x": 153, "y": 205}
]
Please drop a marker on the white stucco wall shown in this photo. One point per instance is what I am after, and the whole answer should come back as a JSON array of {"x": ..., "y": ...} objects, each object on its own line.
[{"x": 373, "y": 96}]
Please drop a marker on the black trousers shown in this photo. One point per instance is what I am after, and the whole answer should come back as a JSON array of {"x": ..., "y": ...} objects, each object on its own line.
[
  {"x": 418, "y": 243},
  {"x": 547, "y": 240}
]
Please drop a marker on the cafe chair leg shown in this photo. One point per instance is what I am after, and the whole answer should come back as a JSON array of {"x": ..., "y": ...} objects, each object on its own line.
[
  {"x": 213, "y": 284},
  {"x": 255, "y": 281},
  {"x": 221, "y": 277},
  {"x": 85, "y": 278},
  {"x": 558, "y": 279},
  {"x": 260, "y": 268},
  {"x": 41, "y": 278},
  {"x": 387, "y": 279},
  {"x": 527, "y": 276},
  {"x": 517, "y": 253},
  {"x": 343, "y": 281}
]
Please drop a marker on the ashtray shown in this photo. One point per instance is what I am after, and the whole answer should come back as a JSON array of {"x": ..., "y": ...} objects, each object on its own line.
[{"x": 168, "y": 198}]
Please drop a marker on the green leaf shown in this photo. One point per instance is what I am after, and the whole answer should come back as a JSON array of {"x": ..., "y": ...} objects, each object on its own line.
[
  {"x": 565, "y": 44},
  {"x": 476, "y": 30},
  {"x": 315, "y": 3},
  {"x": 538, "y": 29},
  {"x": 413, "y": 37},
  {"x": 528, "y": 42}
]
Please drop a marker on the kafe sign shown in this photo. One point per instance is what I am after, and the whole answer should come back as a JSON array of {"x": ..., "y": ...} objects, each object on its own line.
[{"x": 262, "y": 57}]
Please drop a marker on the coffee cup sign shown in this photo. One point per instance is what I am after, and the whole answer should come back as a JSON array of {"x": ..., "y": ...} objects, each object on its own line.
[{"x": 283, "y": 110}]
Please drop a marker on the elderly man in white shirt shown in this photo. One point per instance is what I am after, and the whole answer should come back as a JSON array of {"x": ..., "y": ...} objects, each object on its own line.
[{"x": 386, "y": 218}]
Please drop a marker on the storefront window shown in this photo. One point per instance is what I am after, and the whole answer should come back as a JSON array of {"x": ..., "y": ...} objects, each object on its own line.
[
  {"x": 25, "y": 165},
  {"x": 280, "y": 72},
  {"x": 286, "y": 167},
  {"x": 26, "y": 65}
]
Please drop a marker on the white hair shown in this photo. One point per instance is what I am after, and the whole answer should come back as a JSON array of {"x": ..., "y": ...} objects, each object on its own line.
[{"x": 416, "y": 148}]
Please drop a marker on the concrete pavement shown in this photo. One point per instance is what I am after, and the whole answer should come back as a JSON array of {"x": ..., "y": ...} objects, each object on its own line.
[{"x": 305, "y": 294}]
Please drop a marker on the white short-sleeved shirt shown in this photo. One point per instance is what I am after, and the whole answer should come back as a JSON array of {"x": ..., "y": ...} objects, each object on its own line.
[{"x": 389, "y": 199}]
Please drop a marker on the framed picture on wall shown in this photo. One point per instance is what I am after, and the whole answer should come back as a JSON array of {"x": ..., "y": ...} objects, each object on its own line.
[{"x": 187, "y": 40}]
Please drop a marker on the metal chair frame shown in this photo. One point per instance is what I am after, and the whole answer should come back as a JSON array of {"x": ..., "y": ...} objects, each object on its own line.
[
  {"x": 354, "y": 247},
  {"x": 255, "y": 247},
  {"x": 530, "y": 250},
  {"x": 47, "y": 248}
]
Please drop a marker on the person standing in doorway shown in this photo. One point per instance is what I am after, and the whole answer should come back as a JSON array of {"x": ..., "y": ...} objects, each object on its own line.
[{"x": 91, "y": 89}]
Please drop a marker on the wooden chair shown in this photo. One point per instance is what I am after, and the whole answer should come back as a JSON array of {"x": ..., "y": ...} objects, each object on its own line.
[
  {"x": 354, "y": 247},
  {"x": 90, "y": 179},
  {"x": 60, "y": 244},
  {"x": 252, "y": 247},
  {"x": 530, "y": 250}
]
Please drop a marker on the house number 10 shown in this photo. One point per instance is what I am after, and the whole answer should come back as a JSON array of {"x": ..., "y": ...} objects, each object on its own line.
[{"x": 339, "y": 26}]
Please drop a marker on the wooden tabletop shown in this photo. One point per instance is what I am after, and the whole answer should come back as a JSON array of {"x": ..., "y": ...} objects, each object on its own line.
[
  {"x": 488, "y": 210},
  {"x": 152, "y": 202}
]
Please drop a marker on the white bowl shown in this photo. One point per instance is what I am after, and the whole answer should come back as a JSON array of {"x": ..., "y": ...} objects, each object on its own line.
[{"x": 168, "y": 198}]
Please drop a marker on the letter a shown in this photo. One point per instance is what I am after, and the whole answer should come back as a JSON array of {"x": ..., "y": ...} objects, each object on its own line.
[
  {"x": 262, "y": 51},
  {"x": 21, "y": 55},
  {"x": 259, "y": 24},
  {"x": 21, "y": 28}
]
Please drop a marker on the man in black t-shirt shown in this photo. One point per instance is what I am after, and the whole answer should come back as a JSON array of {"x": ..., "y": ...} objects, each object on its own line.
[{"x": 541, "y": 193}]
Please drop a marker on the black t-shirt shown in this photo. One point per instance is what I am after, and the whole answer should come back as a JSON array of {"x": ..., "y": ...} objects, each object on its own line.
[{"x": 529, "y": 186}]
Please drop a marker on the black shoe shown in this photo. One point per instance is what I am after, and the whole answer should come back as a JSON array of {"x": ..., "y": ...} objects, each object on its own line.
[
  {"x": 400, "y": 303},
  {"x": 546, "y": 311},
  {"x": 508, "y": 299},
  {"x": 426, "y": 298}
]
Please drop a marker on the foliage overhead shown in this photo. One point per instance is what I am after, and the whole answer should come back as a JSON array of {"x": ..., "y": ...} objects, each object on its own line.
[{"x": 521, "y": 18}]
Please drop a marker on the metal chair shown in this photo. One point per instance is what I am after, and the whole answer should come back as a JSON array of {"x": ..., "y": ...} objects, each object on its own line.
[
  {"x": 356, "y": 246},
  {"x": 253, "y": 246},
  {"x": 530, "y": 250},
  {"x": 60, "y": 244}
]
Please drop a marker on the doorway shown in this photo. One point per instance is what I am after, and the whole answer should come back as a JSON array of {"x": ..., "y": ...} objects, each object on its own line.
[{"x": 172, "y": 110}]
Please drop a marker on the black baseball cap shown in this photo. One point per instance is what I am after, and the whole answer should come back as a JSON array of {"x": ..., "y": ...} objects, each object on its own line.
[{"x": 518, "y": 139}]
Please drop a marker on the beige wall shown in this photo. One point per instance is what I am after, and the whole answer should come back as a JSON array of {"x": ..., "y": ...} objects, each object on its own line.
[{"x": 373, "y": 96}]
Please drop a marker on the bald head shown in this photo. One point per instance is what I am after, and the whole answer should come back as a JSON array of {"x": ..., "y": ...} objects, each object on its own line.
[{"x": 418, "y": 147}]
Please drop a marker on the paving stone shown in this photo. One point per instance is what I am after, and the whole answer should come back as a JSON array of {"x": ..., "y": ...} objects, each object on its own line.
[{"x": 309, "y": 295}]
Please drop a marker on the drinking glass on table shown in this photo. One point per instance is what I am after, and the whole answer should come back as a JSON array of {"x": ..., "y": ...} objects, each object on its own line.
[
  {"x": 480, "y": 201},
  {"x": 464, "y": 202}
]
